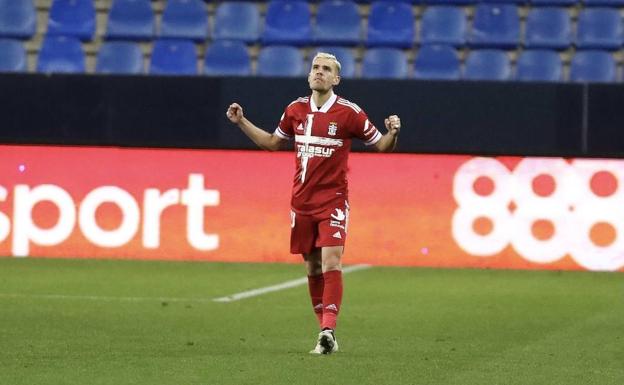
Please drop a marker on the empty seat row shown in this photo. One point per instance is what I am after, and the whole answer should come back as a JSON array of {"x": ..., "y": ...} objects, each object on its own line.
[
  {"x": 499, "y": 26},
  {"x": 338, "y": 22},
  {"x": 231, "y": 58}
]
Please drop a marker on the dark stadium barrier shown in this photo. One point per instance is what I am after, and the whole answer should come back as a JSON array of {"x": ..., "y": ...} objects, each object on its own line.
[{"x": 488, "y": 118}]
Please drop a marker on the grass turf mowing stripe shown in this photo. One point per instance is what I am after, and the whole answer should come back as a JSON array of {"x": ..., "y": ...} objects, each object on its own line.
[
  {"x": 104, "y": 298},
  {"x": 230, "y": 298}
]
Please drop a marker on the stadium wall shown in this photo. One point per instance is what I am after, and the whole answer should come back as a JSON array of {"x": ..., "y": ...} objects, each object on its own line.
[
  {"x": 484, "y": 118},
  {"x": 192, "y": 200}
]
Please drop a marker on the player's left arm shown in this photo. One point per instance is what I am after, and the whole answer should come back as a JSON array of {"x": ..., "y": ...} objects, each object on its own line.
[{"x": 388, "y": 142}]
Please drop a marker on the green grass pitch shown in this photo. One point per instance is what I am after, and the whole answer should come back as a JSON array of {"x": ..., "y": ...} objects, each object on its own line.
[{"x": 134, "y": 322}]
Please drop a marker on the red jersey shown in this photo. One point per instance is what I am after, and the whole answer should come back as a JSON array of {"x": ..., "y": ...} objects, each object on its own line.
[{"x": 322, "y": 143}]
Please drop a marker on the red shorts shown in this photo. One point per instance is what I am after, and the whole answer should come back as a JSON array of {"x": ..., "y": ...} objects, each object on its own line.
[{"x": 327, "y": 228}]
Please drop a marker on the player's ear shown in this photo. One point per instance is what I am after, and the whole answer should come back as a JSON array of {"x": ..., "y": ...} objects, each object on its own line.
[{"x": 336, "y": 80}]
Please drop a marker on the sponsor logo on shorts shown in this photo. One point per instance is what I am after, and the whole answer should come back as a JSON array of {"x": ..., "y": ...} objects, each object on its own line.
[
  {"x": 336, "y": 224},
  {"x": 339, "y": 215}
]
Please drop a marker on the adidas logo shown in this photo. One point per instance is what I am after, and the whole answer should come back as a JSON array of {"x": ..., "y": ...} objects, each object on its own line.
[
  {"x": 331, "y": 307},
  {"x": 337, "y": 235},
  {"x": 318, "y": 306}
]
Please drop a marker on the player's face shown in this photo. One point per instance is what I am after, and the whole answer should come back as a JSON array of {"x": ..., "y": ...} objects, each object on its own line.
[{"x": 323, "y": 75}]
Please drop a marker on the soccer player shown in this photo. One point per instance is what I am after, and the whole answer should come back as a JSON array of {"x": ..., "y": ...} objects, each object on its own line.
[{"x": 322, "y": 126}]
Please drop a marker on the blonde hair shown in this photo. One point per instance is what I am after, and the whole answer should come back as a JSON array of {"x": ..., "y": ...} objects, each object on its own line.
[{"x": 325, "y": 55}]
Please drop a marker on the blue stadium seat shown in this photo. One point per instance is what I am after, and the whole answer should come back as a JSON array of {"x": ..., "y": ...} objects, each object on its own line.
[
  {"x": 227, "y": 58},
  {"x": 437, "y": 62},
  {"x": 184, "y": 19},
  {"x": 390, "y": 24},
  {"x": 558, "y": 3},
  {"x": 443, "y": 25},
  {"x": 119, "y": 57},
  {"x": 539, "y": 65},
  {"x": 280, "y": 60},
  {"x": 130, "y": 20},
  {"x": 61, "y": 54},
  {"x": 548, "y": 27},
  {"x": 603, "y": 3},
  {"x": 384, "y": 62},
  {"x": 599, "y": 28},
  {"x": 173, "y": 57},
  {"x": 18, "y": 19},
  {"x": 72, "y": 18},
  {"x": 519, "y": 2},
  {"x": 237, "y": 20},
  {"x": 287, "y": 22},
  {"x": 12, "y": 56},
  {"x": 496, "y": 26},
  {"x": 344, "y": 56},
  {"x": 448, "y": 2},
  {"x": 487, "y": 64},
  {"x": 338, "y": 22},
  {"x": 593, "y": 66}
]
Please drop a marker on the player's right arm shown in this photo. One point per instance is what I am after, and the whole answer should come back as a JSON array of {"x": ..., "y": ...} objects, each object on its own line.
[{"x": 261, "y": 138}]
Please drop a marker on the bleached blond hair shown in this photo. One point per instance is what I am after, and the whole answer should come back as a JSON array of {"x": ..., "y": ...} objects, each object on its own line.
[{"x": 325, "y": 55}]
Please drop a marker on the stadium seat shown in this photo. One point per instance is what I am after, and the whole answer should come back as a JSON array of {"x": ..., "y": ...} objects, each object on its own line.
[
  {"x": 539, "y": 65},
  {"x": 72, "y": 18},
  {"x": 548, "y": 27},
  {"x": 447, "y": 2},
  {"x": 603, "y": 3},
  {"x": 173, "y": 57},
  {"x": 131, "y": 20},
  {"x": 61, "y": 54},
  {"x": 384, "y": 62},
  {"x": 18, "y": 19},
  {"x": 184, "y": 19},
  {"x": 437, "y": 62},
  {"x": 119, "y": 57},
  {"x": 599, "y": 28},
  {"x": 487, "y": 64},
  {"x": 280, "y": 60},
  {"x": 558, "y": 3},
  {"x": 343, "y": 54},
  {"x": 237, "y": 21},
  {"x": 593, "y": 66},
  {"x": 12, "y": 56},
  {"x": 287, "y": 22},
  {"x": 495, "y": 26},
  {"x": 338, "y": 22},
  {"x": 390, "y": 24},
  {"x": 443, "y": 25},
  {"x": 227, "y": 58},
  {"x": 519, "y": 2}
]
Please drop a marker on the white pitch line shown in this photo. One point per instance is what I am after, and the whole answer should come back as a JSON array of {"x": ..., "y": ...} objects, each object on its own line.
[
  {"x": 103, "y": 298},
  {"x": 280, "y": 286}
]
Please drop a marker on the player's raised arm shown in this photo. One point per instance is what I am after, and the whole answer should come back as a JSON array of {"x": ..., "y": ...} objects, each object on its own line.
[
  {"x": 388, "y": 142},
  {"x": 263, "y": 139}
]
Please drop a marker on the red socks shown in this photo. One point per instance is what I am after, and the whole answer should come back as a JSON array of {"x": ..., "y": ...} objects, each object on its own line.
[
  {"x": 332, "y": 298},
  {"x": 326, "y": 295},
  {"x": 315, "y": 286}
]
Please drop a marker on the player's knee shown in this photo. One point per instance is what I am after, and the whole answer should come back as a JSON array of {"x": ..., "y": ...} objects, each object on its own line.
[{"x": 331, "y": 262}]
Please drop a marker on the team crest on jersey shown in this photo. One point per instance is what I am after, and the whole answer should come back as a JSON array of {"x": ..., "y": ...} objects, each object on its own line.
[{"x": 333, "y": 127}]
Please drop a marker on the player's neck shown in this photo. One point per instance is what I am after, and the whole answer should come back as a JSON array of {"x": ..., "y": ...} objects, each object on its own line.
[{"x": 319, "y": 98}]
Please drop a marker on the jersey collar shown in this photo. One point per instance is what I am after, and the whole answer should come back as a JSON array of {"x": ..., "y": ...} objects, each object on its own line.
[{"x": 325, "y": 107}]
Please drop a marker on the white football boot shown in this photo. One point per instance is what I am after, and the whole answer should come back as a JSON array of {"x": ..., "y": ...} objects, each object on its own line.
[{"x": 326, "y": 343}]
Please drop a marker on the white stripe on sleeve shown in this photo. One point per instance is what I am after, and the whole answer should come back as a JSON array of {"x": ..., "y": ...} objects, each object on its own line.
[{"x": 374, "y": 139}]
